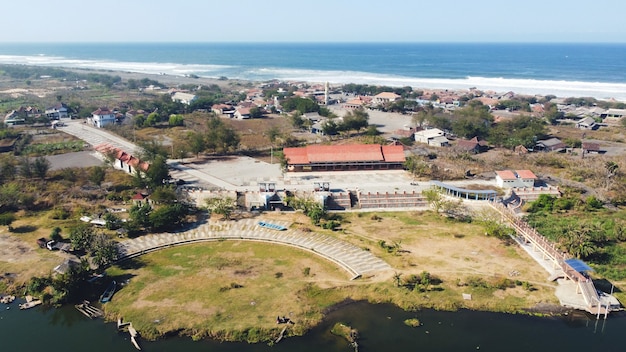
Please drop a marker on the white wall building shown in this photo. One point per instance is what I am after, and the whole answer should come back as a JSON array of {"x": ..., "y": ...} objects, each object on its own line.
[
  {"x": 515, "y": 178},
  {"x": 433, "y": 137},
  {"x": 102, "y": 117}
]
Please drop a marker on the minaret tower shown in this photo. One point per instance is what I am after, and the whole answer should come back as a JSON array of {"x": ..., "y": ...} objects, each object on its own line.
[{"x": 326, "y": 93}]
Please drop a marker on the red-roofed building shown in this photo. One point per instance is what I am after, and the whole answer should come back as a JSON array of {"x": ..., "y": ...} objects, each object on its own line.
[
  {"x": 344, "y": 157},
  {"x": 515, "y": 179},
  {"x": 122, "y": 160},
  {"x": 102, "y": 117}
]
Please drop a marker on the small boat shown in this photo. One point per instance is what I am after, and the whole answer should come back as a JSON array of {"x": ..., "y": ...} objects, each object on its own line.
[
  {"x": 95, "y": 277},
  {"x": 30, "y": 304},
  {"x": 7, "y": 299},
  {"x": 108, "y": 293}
]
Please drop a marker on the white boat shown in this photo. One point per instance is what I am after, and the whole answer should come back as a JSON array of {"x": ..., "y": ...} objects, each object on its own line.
[{"x": 30, "y": 304}]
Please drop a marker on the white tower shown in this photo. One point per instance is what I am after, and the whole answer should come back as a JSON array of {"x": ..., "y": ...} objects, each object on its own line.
[{"x": 326, "y": 93}]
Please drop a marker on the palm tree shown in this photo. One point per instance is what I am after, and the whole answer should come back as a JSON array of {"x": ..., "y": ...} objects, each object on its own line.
[{"x": 578, "y": 243}]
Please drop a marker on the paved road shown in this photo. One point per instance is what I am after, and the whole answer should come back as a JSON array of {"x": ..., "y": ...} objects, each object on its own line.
[
  {"x": 95, "y": 136},
  {"x": 352, "y": 258}
]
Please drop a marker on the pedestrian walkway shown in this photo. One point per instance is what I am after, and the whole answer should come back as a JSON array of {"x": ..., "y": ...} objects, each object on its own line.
[{"x": 352, "y": 258}]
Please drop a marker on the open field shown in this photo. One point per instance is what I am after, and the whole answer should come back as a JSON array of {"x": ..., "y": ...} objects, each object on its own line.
[{"x": 234, "y": 290}]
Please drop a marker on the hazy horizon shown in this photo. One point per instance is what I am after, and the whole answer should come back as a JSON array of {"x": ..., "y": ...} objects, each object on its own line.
[{"x": 324, "y": 21}]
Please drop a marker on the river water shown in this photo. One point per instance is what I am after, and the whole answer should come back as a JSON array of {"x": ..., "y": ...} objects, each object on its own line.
[{"x": 381, "y": 328}]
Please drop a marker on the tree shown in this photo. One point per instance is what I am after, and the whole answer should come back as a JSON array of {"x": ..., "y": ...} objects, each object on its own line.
[
  {"x": 434, "y": 198},
  {"x": 472, "y": 120},
  {"x": 151, "y": 120},
  {"x": 55, "y": 234},
  {"x": 273, "y": 133},
  {"x": 256, "y": 112},
  {"x": 578, "y": 243},
  {"x": 167, "y": 216},
  {"x": 6, "y": 219},
  {"x": 157, "y": 173},
  {"x": 81, "y": 237},
  {"x": 151, "y": 149},
  {"x": 220, "y": 137},
  {"x": 176, "y": 120},
  {"x": 330, "y": 127},
  {"x": 354, "y": 120},
  {"x": 26, "y": 167},
  {"x": 164, "y": 194},
  {"x": 221, "y": 206},
  {"x": 7, "y": 169},
  {"x": 415, "y": 165},
  {"x": 41, "y": 165},
  {"x": 103, "y": 250},
  {"x": 552, "y": 114},
  {"x": 303, "y": 105},
  {"x": 196, "y": 143},
  {"x": 10, "y": 196},
  {"x": 139, "y": 214},
  {"x": 97, "y": 174},
  {"x": 112, "y": 221}
]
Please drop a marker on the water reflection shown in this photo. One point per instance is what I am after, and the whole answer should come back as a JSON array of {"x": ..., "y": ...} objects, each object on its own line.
[{"x": 381, "y": 328}]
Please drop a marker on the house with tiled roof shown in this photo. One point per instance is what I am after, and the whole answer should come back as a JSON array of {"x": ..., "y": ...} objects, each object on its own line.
[
  {"x": 223, "y": 109},
  {"x": 550, "y": 145},
  {"x": 587, "y": 123},
  {"x": 473, "y": 145},
  {"x": 515, "y": 178},
  {"x": 13, "y": 118},
  {"x": 122, "y": 160},
  {"x": 357, "y": 102},
  {"x": 590, "y": 147},
  {"x": 344, "y": 157},
  {"x": 58, "y": 111},
  {"x": 242, "y": 113},
  {"x": 385, "y": 97},
  {"x": 102, "y": 117}
]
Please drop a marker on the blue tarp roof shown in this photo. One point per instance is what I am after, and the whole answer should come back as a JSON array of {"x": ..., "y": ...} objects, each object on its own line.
[{"x": 578, "y": 265}]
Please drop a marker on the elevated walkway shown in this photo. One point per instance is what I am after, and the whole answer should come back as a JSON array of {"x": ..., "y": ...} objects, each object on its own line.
[{"x": 585, "y": 296}]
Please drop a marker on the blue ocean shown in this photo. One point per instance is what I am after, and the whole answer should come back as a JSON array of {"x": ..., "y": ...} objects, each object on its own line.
[{"x": 595, "y": 70}]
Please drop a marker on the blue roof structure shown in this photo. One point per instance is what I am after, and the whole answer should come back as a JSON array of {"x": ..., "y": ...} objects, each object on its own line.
[{"x": 578, "y": 265}]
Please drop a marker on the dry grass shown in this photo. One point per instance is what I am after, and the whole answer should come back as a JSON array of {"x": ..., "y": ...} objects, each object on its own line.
[
  {"x": 195, "y": 288},
  {"x": 190, "y": 288}
]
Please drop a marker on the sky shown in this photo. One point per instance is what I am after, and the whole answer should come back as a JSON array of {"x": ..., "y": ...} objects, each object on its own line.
[{"x": 38, "y": 21}]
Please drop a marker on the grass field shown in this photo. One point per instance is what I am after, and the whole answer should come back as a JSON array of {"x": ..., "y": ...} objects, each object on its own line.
[
  {"x": 234, "y": 290},
  {"x": 224, "y": 289}
]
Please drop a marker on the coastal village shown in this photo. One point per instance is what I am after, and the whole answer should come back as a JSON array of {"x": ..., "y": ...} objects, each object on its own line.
[{"x": 322, "y": 168}]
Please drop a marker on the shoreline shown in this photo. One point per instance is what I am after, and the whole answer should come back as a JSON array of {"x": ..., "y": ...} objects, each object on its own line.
[
  {"x": 497, "y": 87},
  {"x": 603, "y": 91}
]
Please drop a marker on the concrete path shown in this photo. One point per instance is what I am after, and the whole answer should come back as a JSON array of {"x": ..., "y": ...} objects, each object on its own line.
[
  {"x": 352, "y": 258},
  {"x": 95, "y": 136}
]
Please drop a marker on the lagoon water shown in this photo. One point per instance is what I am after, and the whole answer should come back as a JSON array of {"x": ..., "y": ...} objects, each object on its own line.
[
  {"x": 596, "y": 70},
  {"x": 381, "y": 328}
]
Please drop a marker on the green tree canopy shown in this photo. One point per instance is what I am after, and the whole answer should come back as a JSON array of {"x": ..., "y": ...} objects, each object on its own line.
[
  {"x": 303, "y": 105},
  {"x": 524, "y": 130},
  {"x": 97, "y": 174}
]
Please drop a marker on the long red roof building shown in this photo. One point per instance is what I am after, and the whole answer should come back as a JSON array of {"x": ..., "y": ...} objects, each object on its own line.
[{"x": 344, "y": 157}]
